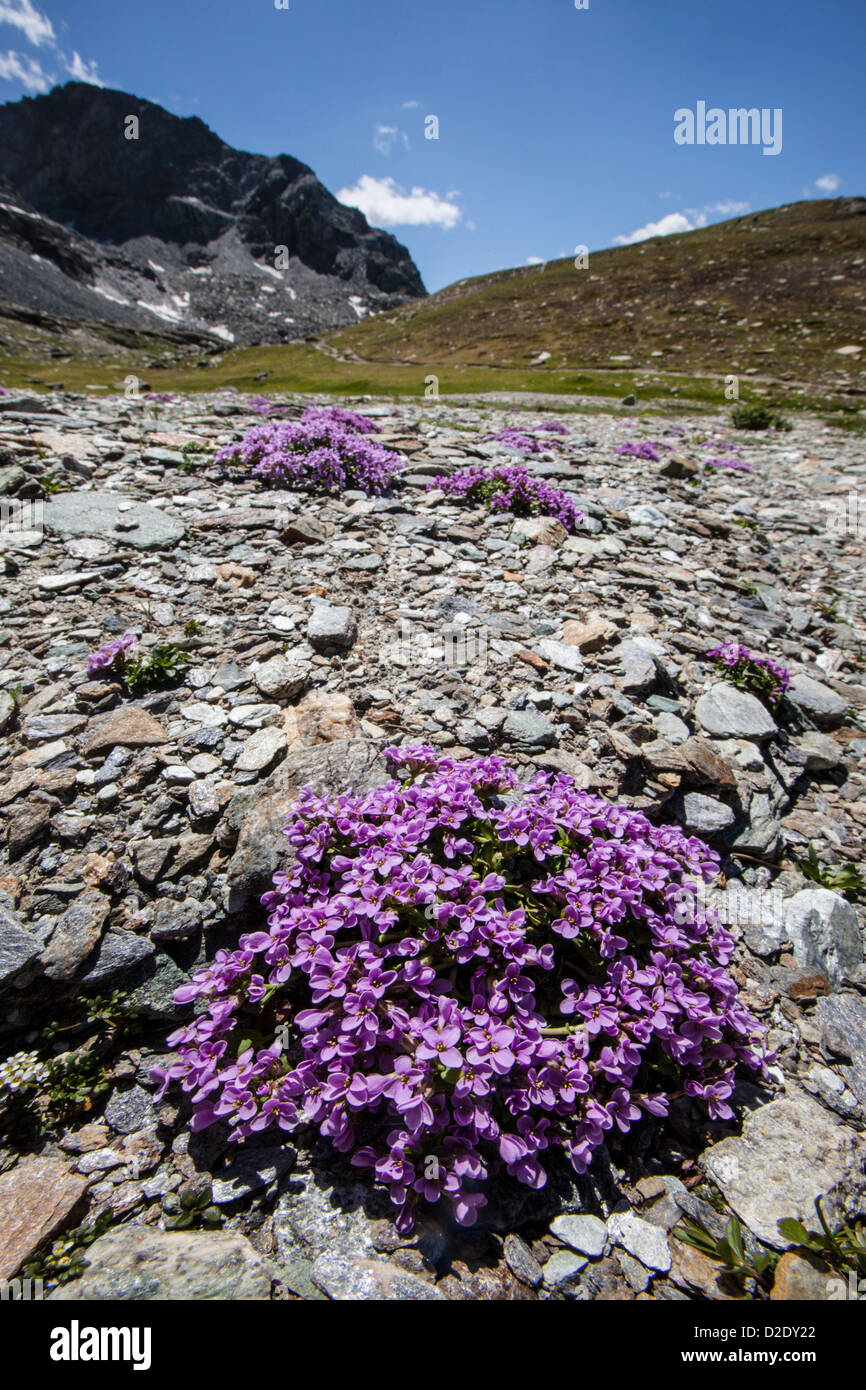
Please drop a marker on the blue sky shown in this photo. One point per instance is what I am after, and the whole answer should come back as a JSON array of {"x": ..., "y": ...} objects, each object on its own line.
[{"x": 556, "y": 125}]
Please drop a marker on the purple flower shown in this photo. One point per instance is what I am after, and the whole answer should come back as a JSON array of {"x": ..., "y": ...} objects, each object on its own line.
[
  {"x": 110, "y": 655},
  {"x": 474, "y": 970}
]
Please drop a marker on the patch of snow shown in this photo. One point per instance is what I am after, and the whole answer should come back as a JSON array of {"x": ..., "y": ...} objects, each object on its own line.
[
  {"x": 106, "y": 294},
  {"x": 270, "y": 270},
  {"x": 358, "y": 305},
  {"x": 202, "y": 270},
  {"x": 222, "y": 332},
  {"x": 160, "y": 310},
  {"x": 160, "y": 269}
]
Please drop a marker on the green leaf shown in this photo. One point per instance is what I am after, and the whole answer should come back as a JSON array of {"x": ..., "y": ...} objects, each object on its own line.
[
  {"x": 734, "y": 1234},
  {"x": 794, "y": 1231}
]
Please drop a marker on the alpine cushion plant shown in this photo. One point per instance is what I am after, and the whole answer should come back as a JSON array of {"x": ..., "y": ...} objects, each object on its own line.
[
  {"x": 516, "y": 439},
  {"x": 511, "y": 490},
  {"x": 327, "y": 450},
  {"x": 759, "y": 674},
  {"x": 644, "y": 449},
  {"x": 111, "y": 657},
  {"x": 164, "y": 664},
  {"x": 464, "y": 972}
]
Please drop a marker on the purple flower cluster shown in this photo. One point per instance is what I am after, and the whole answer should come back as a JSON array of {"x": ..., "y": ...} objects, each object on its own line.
[
  {"x": 554, "y": 427},
  {"x": 511, "y": 490},
  {"x": 643, "y": 449},
  {"x": 161, "y": 397},
  {"x": 463, "y": 972},
  {"x": 327, "y": 450},
  {"x": 107, "y": 656},
  {"x": 732, "y": 463},
  {"x": 760, "y": 674},
  {"x": 515, "y": 439}
]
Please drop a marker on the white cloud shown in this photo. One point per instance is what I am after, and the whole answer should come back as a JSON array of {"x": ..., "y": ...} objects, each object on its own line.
[
  {"x": 14, "y": 68},
  {"x": 36, "y": 27},
  {"x": 731, "y": 207},
  {"x": 828, "y": 183},
  {"x": 81, "y": 71},
  {"x": 666, "y": 226},
  {"x": 385, "y": 204},
  {"x": 535, "y": 260},
  {"x": 410, "y": 105},
  {"x": 385, "y": 137}
]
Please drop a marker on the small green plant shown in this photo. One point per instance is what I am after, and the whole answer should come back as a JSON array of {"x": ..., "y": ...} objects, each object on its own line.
[
  {"x": 730, "y": 1250},
  {"x": 757, "y": 417},
  {"x": 64, "y": 1259},
  {"x": 164, "y": 665},
  {"x": 844, "y": 1249},
  {"x": 192, "y": 627},
  {"x": 191, "y": 1209},
  {"x": 50, "y": 483},
  {"x": 845, "y": 879}
]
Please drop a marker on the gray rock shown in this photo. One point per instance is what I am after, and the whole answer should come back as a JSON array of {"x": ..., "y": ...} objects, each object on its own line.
[
  {"x": 704, "y": 815},
  {"x": 329, "y": 768},
  {"x": 561, "y": 1268},
  {"x": 260, "y": 750},
  {"x": 331, "y": 629},
  {"x": 645, "y": 1242},
  {"x": 789, "y": 1153},
  {"x": 841, "y": 1019},
  {"x": 529, "y": 729},
  {"x": 728, "y": 712},
  {"x": 822, "y": 753},
  {"x": 99, "y": 514},
  {"x": 826, "y": 932},
  {"x": 283, "y": 677},
  {"x": 521, "y": 1261},
  {"x": 318, "y": 1216},
  {"x": 759, "y": 916},
  {"x": 18, "y": 948},
  {"x": 586, "y": 1234},
  {"x": 77, "y": 932},
  {"x": 251, "y": 1170},
  {"x": 561, "y": 654},
  {"x": 345, "y": 1278},
  {"x": 636, "y": 668},
  {"x": 130, "y": 1109},
  {"x": 821, "y": 703},
  {"x": 119, "y": 952},
  {"x": 644, "y": 514},
  {"x": 137, "y": 1264}
]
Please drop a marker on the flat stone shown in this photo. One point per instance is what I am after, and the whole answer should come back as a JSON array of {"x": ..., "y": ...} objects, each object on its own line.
[
  {"x": 635, "y": 669},
  {"x": 790, "y": 1152},
  {"x": 561, "y": 1268},
  {"x": 99, "y": 514},
  {"x": 126, "y": 726},
  {"x": 344, "y": 1278},
  {"x": 528, "y": 728},
  {"x": 560, "y": 654},
  {"x": 589, "y": 636},
  {"x": 586, "y": 1234},
  {"x": 826, "y": 932},
  {"x": 37, "y": 1199},
  {"x": 251, "y": 1170},
  {"x": 136, "y": 1263},
  {"x": 331, "y": 629},
  {"x": 19, "y": 949},
  {"x": 704, "y": 815},
  {"x": 841, "y": 1019},
  {"x": 283, "y": 677},
  {"x": 645, "y": 1242},
  {"x": 822, "y": 704},
  {"x": 728, "y": 712},
  {"x": 260, "y": 750},
  {"x": 130, "y": 1109},
  {"x": 822, "y": 753},
  {"x": 76, "y": 934},
  {"x": 521, "y": 1261}
]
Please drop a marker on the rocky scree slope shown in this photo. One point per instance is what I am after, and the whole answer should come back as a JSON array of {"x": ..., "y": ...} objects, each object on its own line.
[
  {"x": 177, "y": 230},
  {"x": 138, "y": 833}
]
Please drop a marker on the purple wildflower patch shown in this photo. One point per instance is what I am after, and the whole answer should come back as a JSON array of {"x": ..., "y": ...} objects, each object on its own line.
[
  {"x": 511, "y": 490},
  {"x": 463, "y": 973},
  {"x": 759, "y": 674},
  {"x": 327, "y": 450},
  {"x": 642, "y": 449},
  {"x": 110, "y": 655}
]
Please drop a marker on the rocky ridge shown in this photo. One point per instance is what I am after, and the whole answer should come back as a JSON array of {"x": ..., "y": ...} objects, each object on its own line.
[
  {"x": 175, "y": 232},
  {"x": 138, "y": 833}
]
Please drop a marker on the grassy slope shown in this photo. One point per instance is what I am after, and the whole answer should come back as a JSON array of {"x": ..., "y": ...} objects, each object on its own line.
[{"x": 769, "y": 297}]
